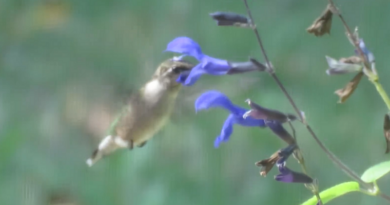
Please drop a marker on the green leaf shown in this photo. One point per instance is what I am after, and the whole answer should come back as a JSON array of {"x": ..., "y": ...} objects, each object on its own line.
[
  {"x": 334, "y": 192},
  {"x": 375, "y": 172}
]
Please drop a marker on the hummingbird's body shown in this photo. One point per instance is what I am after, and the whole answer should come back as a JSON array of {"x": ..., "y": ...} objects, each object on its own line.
[{"x": 146, "y": 112}]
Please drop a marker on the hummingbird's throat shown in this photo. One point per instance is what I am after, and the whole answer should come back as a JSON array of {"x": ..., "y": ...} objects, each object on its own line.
[{"x": 154, "y": 89}]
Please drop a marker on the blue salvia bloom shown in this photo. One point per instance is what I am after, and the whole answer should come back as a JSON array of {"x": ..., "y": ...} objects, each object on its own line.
[
  {"x": 214, "y": 98},
  {"x": 207, "y": 64}
]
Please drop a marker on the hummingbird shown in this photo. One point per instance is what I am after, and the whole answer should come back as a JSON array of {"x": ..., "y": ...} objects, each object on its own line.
[{"x": 146, "y": 111}]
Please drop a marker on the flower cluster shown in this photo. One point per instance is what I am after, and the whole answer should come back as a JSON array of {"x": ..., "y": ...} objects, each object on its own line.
[
  {"x": 207, "y": 64},
  {"x": 257, "y": 116}
]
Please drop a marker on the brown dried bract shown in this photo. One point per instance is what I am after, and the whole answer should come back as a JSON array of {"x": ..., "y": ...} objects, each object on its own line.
[
  {"x": 386, "y": 129},
  {"x": 347, "y": 91},
  {"x": 322, "y": 24},
  {"x": 267, "y": 164},
  {"x": 351, "y": 60}
]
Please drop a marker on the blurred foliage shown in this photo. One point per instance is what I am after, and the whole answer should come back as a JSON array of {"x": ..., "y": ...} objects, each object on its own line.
[{"x": 67, "y": 66}]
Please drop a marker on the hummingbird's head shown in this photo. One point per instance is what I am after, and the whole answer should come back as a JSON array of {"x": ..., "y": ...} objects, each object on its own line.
[{"x": 169, "y": 70}]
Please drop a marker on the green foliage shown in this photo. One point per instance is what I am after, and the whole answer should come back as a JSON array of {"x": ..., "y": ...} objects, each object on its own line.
[
  {"x": 375, "y": 172},
  {"x": 334, "y": 192}
]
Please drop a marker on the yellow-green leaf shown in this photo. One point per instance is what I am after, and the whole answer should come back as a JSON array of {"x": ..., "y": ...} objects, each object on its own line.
[
  {"x": 375, "y": 172},
  {"x": 334, "y": 192}
]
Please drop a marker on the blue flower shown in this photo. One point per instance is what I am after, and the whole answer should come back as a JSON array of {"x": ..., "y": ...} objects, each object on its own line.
[
  {"x": 212, "y": 99},
  {"x": 207, "y": 64},
  {"x": 369, "y": 55}
]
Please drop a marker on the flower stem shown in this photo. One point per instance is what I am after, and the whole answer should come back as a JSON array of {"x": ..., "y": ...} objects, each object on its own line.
[
  {"x": 382, "y": 93},
  {"x": 337, "y": 161},
  {"x": 384, "y": 196}
]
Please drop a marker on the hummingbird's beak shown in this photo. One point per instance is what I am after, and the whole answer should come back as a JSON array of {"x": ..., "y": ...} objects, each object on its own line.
[
  {"x": 182, "y": 65},
  {"x": 182, "y": 69}
]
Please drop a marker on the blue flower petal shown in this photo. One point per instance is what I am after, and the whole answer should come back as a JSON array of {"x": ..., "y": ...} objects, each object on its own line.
[
  {"x": 207, "y": 64},
  {"x": 215, "y": 98},
  {"x": 194, "y": 75},
  {"x": 215, "y": 66},
  {"x": 370, "y": 56},
  {"x": 182, "y": 78},
  {"x": 185, "y": 45},
  {"x": 226, "y": 131}
]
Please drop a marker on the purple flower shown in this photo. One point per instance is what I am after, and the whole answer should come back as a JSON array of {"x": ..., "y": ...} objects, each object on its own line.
[
  {"x": 207, "y": 64},
  {"x": 288, "y": 176},
  {"x": 212, "y": 99}
]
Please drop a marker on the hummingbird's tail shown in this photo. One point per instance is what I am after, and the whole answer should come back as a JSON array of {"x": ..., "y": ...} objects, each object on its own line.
[
  {"x": 96, "y": 155},
  {"x": 106, "y": 146}
]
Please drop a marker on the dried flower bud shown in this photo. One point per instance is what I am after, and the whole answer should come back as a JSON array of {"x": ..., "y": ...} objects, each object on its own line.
[
  {"x": 351, "y": 60},
  {"x": 258, "y": 112},
  {"x": 243, "y": 67},
  {"x": 386, "y": 128},
  {"x": 347, "y": 91},
  {"x": 342, "y": 67},
  {"x": 230, "y": 19},
  {"x": 259, "y": 65},
  {"x": 322, "y": 24},
  {"x": 278, "y": 129},
  {"x": 267, "y": 164},
  {"x": 278, "y": 157}
]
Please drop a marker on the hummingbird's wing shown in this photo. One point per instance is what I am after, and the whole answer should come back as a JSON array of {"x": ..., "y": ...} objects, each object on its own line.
[{"x": 243, "y": 85}]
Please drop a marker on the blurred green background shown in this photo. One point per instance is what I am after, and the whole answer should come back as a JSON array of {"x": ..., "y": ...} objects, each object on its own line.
[{"x": 67, "y": 66}]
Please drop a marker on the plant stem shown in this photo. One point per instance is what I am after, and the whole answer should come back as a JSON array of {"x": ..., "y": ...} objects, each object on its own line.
[
  {"x": 337, "y": 161},
  {"x": 272, "y": 72},
  {"x": 384, "y": 196},
  {"x": 382, "y": 93}
]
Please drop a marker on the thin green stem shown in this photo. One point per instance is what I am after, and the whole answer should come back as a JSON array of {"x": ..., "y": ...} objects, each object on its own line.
[
  {"x": 382, "y": 93},
  {"x": 337, "y": 161}
]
